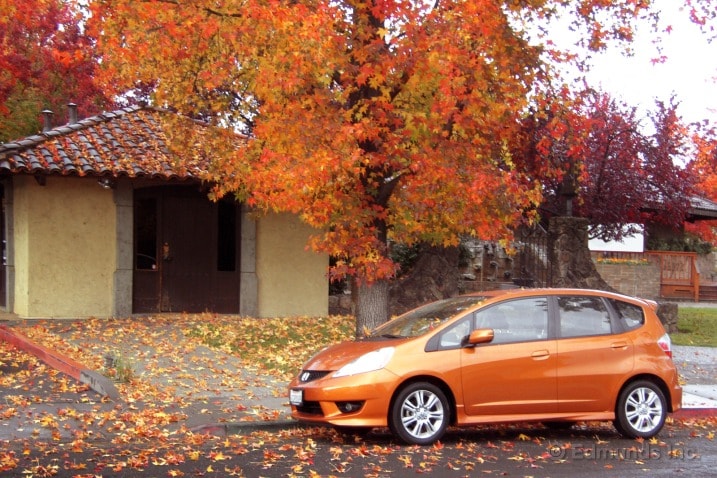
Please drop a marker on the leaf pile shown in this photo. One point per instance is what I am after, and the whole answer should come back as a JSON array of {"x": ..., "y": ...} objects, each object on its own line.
[{"x": 273, "y": 345}]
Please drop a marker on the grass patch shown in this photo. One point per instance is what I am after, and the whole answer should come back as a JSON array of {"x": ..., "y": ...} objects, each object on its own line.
[{"x": 696, "y": 326}]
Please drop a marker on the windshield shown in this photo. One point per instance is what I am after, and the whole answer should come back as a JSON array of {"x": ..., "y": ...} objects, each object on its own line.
[{"x": 426, "y": 318}]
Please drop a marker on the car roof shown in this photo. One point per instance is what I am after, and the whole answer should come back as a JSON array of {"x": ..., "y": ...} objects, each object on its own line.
[{"x": 523, "y": 292}]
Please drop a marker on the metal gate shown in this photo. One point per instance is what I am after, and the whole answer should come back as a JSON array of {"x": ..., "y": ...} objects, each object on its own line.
[{"x": 531, "y": 263}]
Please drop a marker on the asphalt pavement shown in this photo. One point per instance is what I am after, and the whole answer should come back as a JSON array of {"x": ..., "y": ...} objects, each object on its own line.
[{"x": 186, "y": 386}]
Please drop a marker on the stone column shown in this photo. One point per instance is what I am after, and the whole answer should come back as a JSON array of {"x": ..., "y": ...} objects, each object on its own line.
[
  {"x": 124, "y": 270},
  {"x": 248, "y": 282}
]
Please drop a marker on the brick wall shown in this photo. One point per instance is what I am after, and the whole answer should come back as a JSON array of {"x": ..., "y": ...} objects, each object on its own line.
[{"x": 636, "y": 280}]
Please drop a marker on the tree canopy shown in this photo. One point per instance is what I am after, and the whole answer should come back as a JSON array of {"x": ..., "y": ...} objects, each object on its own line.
[
  {"x": 372, "y": 120},
  {"x": 598, "y": 160},
  {"x": 46, "y": 62},
  {"x": 704, "y": 169}
]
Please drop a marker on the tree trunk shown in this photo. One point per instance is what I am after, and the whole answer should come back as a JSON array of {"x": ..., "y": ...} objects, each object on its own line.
[
  {"x": 371, "y": 305},
  {"x": 569, "y": 255},
  {"x": 434, "y": 276}
]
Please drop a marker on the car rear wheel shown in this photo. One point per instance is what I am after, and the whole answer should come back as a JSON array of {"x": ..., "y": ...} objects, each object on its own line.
[
  {"x": 641, "y": 410},
  {"x": 420, "y": 414}
]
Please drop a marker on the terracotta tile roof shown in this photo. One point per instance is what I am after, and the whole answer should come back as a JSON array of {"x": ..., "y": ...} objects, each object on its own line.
[{"x": 127, "y": 142}]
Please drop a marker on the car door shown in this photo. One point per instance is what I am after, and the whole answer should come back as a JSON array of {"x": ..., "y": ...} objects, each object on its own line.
[
  {"x": 515, "y": 374},
  {"x": 592, "y": 359}
]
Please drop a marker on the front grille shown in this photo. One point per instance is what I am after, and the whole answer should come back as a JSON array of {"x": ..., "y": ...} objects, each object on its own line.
[{"x": 311, "y": 375}]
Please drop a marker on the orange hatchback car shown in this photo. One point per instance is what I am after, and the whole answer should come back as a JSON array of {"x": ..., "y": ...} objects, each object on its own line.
[{"x": 557, "y": 356}]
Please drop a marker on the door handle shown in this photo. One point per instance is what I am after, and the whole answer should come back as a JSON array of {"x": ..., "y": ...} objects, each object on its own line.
[
  {"x": 619, "y": 345},
  {"x": 166, "y": 255},
  {"x": 540, "y": 354}
]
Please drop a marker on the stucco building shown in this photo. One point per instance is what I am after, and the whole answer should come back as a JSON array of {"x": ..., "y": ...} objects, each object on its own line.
[{"x": 100, "y": 219}]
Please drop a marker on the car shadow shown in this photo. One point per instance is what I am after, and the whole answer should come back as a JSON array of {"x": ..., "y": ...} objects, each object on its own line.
[{"x": 498, "y": 433}]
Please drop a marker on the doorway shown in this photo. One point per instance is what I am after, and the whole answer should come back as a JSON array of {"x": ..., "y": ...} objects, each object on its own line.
[{"x": 186, "y": 251}]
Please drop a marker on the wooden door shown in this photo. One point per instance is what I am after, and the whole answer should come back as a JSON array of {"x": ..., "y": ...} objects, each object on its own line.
[{"x": 187, "y": 252}]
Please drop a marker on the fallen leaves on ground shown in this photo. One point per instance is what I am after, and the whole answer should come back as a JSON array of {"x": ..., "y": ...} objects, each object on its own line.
[{"x": 180, "y": 380}]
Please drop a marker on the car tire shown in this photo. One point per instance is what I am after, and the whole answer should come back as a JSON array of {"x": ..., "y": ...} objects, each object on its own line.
[
  {"x": 641, "y": 410},
  {"x": 420, "y": 414}
]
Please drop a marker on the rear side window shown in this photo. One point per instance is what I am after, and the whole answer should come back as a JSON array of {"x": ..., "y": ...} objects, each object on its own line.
[
  {"x": 631, "y": 316},
  {"x": 583, "y": 316}
]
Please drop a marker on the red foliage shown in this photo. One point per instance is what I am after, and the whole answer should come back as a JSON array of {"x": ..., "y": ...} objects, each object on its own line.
[
  {"x": 46, "y": 61},
  {"x": 597, "y": 154}
]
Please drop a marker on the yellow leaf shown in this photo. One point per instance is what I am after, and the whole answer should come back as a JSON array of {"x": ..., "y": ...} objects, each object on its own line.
[{"x": 218, "y": 456}]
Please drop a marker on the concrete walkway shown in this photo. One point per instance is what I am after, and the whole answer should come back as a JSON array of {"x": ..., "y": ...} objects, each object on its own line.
[{"x": 698, "y": 369}]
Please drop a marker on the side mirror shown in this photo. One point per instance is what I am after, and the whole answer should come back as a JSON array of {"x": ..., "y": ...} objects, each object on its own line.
[{"x": 480, "y": 336}]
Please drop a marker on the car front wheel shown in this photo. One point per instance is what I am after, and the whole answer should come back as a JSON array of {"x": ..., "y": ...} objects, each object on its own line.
[
  {"x": 641, "y": 410},
  {"x": 420, "y": 414}
]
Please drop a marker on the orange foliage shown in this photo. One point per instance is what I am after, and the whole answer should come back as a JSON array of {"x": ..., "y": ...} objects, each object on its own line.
[
  {"x": 370, "y": 120},
  {"x": 704, "y": 168}
]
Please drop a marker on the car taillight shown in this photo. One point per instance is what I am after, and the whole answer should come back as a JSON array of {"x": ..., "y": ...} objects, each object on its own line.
[{"x": 665, "y": 344}]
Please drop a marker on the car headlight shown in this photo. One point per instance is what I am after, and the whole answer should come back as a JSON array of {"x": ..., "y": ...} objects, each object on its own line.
[{"x": 368, "y": 362}]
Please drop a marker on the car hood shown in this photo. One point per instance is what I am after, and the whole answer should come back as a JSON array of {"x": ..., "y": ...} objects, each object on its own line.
[{"x": 336, "y": 356}]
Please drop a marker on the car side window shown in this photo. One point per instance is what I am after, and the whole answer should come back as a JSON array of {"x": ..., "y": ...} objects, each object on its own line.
[
  {"x": 520, "y": 320},
  {"x": 452, "y": 337},
  {"x": 583, "y": 316},
  {"x": 631, "y": 316}
]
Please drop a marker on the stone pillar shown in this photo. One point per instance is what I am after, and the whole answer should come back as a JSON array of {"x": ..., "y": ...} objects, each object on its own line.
[
  {"x": 569, "y": 255},
  {"x": 124, "y": 270},
  {"x": 248, "y": 282},
  {"x": 668, "y": 312},
  {"x": 9, "y": 246}
]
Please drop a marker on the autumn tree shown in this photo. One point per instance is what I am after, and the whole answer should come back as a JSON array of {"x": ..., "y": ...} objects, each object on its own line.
[
  {"x": 704, "y": 168},
  {"x": 371, "y": 120},
  {"x": 46, "y": 61},
  {"x": 598, "y": 160}
]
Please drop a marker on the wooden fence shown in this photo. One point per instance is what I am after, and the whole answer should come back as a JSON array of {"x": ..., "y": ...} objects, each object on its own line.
[{"x": 679, "y": 272}]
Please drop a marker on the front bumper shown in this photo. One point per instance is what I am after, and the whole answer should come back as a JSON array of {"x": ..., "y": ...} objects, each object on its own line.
[{"x": 332, "y": 400}]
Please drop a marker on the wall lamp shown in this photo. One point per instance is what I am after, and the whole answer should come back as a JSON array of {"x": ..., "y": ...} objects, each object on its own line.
[{"x": 107, "y": 182}]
